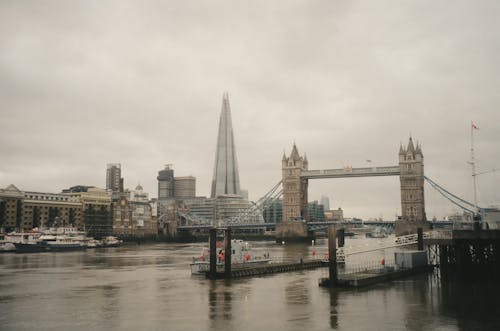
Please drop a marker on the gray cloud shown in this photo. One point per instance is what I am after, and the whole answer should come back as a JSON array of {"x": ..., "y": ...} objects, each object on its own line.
[{"x": 85, "y": 83}]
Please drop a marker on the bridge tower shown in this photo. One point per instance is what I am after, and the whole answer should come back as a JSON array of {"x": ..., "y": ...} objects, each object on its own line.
[
  {"x": 411, "y": 166},
  {"x": 295, "y": 188}
]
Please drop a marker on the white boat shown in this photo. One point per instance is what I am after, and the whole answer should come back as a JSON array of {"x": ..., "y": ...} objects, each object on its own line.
[
  {"x": 62, "y": 243},
  {"x": 111, "y": 241},
  {"x": 242, "y": 256},
  {"x": 29, "y": 240}
]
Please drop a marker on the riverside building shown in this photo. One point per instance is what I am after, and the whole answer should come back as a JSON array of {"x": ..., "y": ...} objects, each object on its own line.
[{"x": 88, "y": 208}]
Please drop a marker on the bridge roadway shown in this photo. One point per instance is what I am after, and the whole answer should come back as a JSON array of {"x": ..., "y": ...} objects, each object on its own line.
[
  {"x": 311, "y": 225},
  {"x": 351, "y": 172}
]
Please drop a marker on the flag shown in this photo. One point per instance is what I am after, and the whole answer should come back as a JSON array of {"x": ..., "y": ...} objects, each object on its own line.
[{"x": 474, "y": 126}]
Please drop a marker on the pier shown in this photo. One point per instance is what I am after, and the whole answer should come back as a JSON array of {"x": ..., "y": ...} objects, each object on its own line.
[{"x": 272, "y": 268}]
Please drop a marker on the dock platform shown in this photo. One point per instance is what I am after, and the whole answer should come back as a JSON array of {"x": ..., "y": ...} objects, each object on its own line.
[
  {"x": 370, "y": 277},
  {"x": 274, "y": 268}
]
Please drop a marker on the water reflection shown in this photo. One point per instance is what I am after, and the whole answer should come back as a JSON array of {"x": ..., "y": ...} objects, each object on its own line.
[
  {"x": 334, "y": 314},
  {"x": 220, "y": 301},
  {"x": 296, "y": 292}
]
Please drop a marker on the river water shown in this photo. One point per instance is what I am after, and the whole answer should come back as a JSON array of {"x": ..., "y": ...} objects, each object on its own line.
[{"x": 149, "y": 287}]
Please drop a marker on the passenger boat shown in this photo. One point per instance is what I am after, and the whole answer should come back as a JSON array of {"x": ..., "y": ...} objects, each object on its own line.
[
  {"x": 63, "y": 243},
  {"x": 242, "y": 256},
  {"x": 24, "y": 241}
]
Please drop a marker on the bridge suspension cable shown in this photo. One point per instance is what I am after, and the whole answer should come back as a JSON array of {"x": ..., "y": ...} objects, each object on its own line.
[
  {"x": 251, "y": 214},
  {"x": 452, "y": 198}
]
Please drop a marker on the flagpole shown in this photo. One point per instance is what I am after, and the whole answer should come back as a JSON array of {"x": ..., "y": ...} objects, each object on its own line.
[{"x": 473, "y": 162}]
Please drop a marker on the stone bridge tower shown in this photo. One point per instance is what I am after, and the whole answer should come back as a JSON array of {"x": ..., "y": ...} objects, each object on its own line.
[
  {"x": 295, "y": 188},
  {"x": 411, "y": 166}
]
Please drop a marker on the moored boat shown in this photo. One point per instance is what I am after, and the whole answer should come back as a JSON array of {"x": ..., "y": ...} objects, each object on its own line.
[
  {"x": 242, "y": 256},
  {"x": 111, "y": 241}
]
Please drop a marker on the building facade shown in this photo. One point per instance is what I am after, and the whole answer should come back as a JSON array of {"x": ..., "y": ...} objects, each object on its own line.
[
  {"x": 133, "y": 214},
  {"x": 185, "y": 187},
  {"x": 273, "y": 213},
  {"x": 11, "y": 209},
  {"x": 88, "y": 210},
  {"x": 48, "y": 210},
  {"x": 166, "y": 183},
  {"x": 113, "y": 178},
  {"x": 315, "y": 211},
  {"x": 97, "y": 211},
  {"x": 335, "y": 215}
]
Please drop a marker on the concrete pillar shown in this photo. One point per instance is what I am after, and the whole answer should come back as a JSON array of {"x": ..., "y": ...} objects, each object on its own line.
[
  {"x": 420, "y": 239},
  {"x": 213, "y": 254},
  {"x": 341, "y": 237},
  {"x": 227, "y": 253},
  {"x": 332, "y": 255}
]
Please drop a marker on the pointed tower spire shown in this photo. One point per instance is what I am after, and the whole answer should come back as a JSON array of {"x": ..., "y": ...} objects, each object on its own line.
[
  {"x": 226, "y": 178},
  {"x": 401, "y": 150},
  {"x": 295, "y": 153},
  {"x": 411, "y": 148},
  {"x": 418, "y": 150}
]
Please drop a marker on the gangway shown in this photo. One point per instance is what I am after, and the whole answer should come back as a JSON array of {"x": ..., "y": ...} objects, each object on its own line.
[{"x": 401, "y": 241}]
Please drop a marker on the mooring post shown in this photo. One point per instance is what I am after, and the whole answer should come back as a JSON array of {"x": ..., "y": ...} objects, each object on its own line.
[
  {"x": 420, "y": 239},
  {"x": 212, "y": 273},
  {"x": 341, "y": 237},
  {"x": 227, "y": 253},
  {"x": 332, "y": 254}
]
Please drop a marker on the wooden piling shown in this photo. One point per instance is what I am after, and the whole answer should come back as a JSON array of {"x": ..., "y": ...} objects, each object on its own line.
[
  {"x": 341, "y": 237},
  {"x": 227, "y": 253},
  {"x": 212, "y": 273},
  {"x": 420, "y": 239},
  {"x": 332, "y": 255}
]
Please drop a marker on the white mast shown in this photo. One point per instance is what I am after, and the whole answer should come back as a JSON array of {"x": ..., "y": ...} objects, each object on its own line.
[{"x": 473, "y": 161}]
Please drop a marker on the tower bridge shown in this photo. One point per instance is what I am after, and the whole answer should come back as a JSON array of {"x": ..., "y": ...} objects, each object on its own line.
[{"x": 296, "y": 176}]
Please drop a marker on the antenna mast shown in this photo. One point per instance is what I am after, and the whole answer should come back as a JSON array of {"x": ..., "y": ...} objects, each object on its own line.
[{"x": 473, "y": 161}]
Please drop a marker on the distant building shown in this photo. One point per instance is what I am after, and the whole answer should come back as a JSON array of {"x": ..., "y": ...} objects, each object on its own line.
[
  {"x": 77, "y": 188},
  {"x": 113, "y": 177},
  {"x": 325, "y": 201},
  {"x": 273, "y": 213},
  {"x": 184, "y": 187},
  {"x": 133, "y": 214},
  {"x": 202, "y": 207},
  {"x": 229, "y": 207},
  {"x": 226, "y": 180},
  {"x": 166, "y": 183},
  {"x": 336, "y": 215},
  {"x": 315, "y": 212}
]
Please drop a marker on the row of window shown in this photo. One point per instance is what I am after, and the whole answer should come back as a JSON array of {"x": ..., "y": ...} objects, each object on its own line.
[{"x": 48, "y": 197}]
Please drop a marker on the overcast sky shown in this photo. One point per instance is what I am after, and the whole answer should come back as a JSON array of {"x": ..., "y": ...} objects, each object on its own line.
[{"x": 86, "y": 83}]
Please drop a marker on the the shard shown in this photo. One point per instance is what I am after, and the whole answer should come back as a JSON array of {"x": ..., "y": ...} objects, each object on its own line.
[{"x": 226, "y": 180}]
